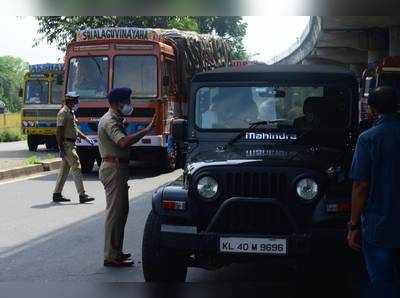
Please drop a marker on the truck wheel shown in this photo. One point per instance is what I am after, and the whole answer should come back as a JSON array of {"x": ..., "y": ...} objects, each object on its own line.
[
  {"x": 160, "y": 264},
  {"x": 169, "y": 159},
  {"x": 32, "y": 144}
]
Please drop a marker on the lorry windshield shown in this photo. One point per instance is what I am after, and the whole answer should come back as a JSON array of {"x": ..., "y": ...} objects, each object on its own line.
[
  {"x": 88, "y": 76},
  {"x": 298, "y": 107},
  {"x": 138, "y": 73},
  {"x": 56, "y": 92},
  {"x": 37, "y": 92}
]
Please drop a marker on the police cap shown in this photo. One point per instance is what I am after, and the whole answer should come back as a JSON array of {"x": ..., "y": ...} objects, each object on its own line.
[
  {"x": 119, "y": 94},
  {"x": 72, "y": 96}
]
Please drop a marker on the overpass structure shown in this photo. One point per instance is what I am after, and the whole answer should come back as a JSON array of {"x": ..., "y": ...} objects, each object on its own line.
[{"x": 352, "y": 42}]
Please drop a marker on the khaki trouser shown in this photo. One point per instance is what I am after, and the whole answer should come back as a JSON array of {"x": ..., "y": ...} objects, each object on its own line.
[
  {"x": 70, "y": 162},
  {"x": 115, "y": 180}
]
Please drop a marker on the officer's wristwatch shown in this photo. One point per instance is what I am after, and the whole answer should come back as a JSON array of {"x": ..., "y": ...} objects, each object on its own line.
[{"x": 353, "y": 227}]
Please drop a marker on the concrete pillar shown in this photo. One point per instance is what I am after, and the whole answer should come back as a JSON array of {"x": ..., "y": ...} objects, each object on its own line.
[
  {"x": 377, "y": 45},
  {"x": 394, "y": 41}
]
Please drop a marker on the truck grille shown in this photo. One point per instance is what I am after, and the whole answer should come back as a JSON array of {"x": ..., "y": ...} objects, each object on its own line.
[
  {"x": 40, "y": 113},
  {"x": 99, "y": 112},
  {"x": 254, "y": 184},
  {"x": 252, "y": 218}
]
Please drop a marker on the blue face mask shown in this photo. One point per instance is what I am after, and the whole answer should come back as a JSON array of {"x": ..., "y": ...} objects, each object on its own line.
[{"x": 126, "y": 109}]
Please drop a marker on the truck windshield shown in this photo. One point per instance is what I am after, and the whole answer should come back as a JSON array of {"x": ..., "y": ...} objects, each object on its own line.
[
  {"x": 88, "y": 76},
  {"x": 56, "y": 92},
  {"x": 37, "y": 92},
  {"x": 138, "y": 73},
  {"x": 297, "y": 107}
]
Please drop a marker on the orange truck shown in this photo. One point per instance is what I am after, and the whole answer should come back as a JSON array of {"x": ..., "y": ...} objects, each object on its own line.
[
  {"x": 385, "y": 73},
  {"x": 157, "y": 64}
]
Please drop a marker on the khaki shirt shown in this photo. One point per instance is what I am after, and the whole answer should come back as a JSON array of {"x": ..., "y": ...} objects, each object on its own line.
[
  {"x": 111, "y": 130},
  {"x": 67, "y": 119}
]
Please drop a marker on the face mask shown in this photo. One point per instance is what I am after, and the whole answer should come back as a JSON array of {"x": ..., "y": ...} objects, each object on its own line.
[
  {"x": 75, "y": 107},
  {"x": 127, "y": 110}
]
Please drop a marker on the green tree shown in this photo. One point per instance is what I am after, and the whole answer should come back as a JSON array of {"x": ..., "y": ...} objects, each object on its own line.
[
  {"x": 60, "y": 30},
  {"x": 12, "y": 70}
]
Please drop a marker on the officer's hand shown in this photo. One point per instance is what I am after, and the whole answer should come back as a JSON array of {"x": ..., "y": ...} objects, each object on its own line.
[
  {"x": 354, "y": 239},
  {"x": 152, "y": 123},
  {"x": 91, "y": 141}
]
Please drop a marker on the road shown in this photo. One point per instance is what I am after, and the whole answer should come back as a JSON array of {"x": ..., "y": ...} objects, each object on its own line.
[
  {"x": 42, "y": 241},
  {"x": 13, "y": 154}
]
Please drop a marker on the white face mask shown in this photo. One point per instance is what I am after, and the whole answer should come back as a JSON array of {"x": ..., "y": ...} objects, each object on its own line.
[
  {"x": 75, "y": 107},
  {"x": 127, "y": 109}
]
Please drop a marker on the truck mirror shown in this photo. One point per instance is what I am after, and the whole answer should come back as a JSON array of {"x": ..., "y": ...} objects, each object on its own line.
[
  {"x": 60, "y": 79},
  {"x": 179, "y": 129},
  {"x": 20, "y": 92},
  {"x": 166, "y": 81}
]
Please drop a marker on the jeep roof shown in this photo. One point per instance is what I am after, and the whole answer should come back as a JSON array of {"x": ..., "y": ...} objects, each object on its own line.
[{"x": 261, "y": 72}]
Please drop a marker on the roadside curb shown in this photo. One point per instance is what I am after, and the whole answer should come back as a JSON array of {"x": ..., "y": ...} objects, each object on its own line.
[{"x": 44, "y": 166}]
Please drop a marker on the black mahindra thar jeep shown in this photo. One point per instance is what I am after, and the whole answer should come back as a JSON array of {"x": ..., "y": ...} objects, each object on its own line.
[{"x": 268, "y": 149}]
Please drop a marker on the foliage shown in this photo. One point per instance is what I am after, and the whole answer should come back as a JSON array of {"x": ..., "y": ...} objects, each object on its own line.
[
  {"x": 12, "y": 70},
  {"x": 32, "y": 160},
  {"x": 11, "y": 135},
  {"x": 60, "y": 30}
]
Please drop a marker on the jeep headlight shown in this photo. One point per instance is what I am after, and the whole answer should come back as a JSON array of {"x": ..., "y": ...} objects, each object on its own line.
[
  {"x": 207, "y": 187},
  {"x": 307, "y": 189}
]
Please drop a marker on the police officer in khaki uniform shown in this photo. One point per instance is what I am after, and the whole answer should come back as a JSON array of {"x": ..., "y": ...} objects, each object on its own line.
[
  {"x": 67, "y": 133},
  {"x": 114, "y": 146}
]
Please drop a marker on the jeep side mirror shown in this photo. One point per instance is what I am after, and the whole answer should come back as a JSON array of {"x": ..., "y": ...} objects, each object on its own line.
[
  {"x": 166, "y": 81},
  {"x": 179, "y": 129},
  {"x": 20, "y": 92},
  {"x": 60, "y": 79}
]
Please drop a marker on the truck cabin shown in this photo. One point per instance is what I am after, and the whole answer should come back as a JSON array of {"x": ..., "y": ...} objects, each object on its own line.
[
  {"x": 96, "y": 65},
  {"x": 43, "y": 84}
]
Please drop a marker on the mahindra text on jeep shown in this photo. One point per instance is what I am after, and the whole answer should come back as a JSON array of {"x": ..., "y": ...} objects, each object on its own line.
[{"x": 268, "y": 151}]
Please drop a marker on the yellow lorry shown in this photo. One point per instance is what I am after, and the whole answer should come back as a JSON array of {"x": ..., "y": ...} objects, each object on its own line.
[{"x": 42, "y": 97}]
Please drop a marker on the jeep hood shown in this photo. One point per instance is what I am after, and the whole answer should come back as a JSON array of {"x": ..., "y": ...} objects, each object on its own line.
[{"x": 293, "y": 155}]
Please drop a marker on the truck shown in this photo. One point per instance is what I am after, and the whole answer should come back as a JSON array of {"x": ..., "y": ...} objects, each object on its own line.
[
  {"x": 42, "y": 95},
  {"x": 269, "y": 148},
  {"x": 157, "y": 64},
  {"x": 383, "y": 73}
]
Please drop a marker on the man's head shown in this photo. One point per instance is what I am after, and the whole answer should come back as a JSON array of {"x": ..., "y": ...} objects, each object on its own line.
[
  {"x": 120, "y": 99},
  {"x": 72, "y": 100},
  {"x": 383, "y": 100}
]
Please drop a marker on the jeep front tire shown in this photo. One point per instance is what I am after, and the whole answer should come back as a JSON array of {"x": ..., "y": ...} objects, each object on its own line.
[{"x": 160, "y": 264}]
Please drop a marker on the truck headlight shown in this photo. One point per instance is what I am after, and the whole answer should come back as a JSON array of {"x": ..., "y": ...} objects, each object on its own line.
[
  {"x": 207, "y": 187},
  {"x": 307, "y": 189}
]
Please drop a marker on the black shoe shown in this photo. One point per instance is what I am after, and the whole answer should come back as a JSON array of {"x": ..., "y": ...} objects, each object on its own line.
[
  {"x": 118, "y": 263},
  {"x": 126, "y": 256},
  {"x": 85, "y": 199},
  {"x": 57, "y": 198}
]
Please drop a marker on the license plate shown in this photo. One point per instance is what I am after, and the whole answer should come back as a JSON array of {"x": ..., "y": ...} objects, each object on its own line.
[{"x": 271, "y": 246}]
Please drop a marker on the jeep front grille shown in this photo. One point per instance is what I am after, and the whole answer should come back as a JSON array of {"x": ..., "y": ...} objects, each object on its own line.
[
  {"x": 252, "y": 218},
  {"x": 254, "y": 184}
]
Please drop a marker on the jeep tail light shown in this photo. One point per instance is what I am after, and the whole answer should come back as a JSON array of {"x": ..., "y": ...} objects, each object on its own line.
[{"x": 174, "y": 205}]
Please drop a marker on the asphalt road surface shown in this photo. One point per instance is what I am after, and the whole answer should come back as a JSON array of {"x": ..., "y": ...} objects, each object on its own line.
[{"x": 42, "y": 241}]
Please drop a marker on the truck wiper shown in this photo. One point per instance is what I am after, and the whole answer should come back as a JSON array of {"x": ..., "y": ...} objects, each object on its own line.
[{"x": 252, "y": 126}]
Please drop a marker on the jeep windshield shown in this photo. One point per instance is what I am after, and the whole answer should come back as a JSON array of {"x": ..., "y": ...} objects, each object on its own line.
[
  {"x": 88, "y": 76},
  {"x": 300, "y": 108}
]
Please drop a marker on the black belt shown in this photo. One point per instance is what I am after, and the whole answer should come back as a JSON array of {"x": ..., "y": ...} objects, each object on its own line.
[{"x": 70, "y": 140}]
